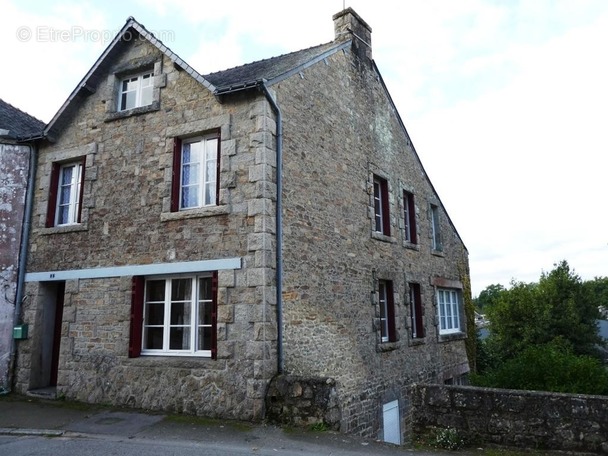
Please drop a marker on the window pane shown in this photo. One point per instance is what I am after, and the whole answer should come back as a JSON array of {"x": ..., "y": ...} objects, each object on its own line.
[
  {"x": 204, "y": 313},
  {"x": 155, "y": 314},
  {"x": 64, "y": 197},
  {"x": 210, "y": 194},
  {"x": 131, "y": 84},
  {"x": 63, "y": 216},
  {"x": 186, "y": 153},
  {"x": 204, "y": 338},
  {"x": 155, "y": 290},
  {"x": 190, "y": 174},
  {"x": 66, "y": 175},
  {"x": 195, "y": 152},
  {"x": 210, "y": 171},
  {"x": 189, "y": 197},
  {"x": 153, "y": 338},
  {"x": 181, "y": 289},
  {"x": 180, "y": 313},
  {"x": 204, "y": 290},
  {"x": 179, "y": 339},
  {"x": 146, "y": 96},
  {"x": 128, "y": 100}
]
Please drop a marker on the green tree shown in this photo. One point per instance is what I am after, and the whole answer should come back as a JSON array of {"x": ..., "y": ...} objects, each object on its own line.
[
  {"x": 598, "y": 290},
  {"x": 557, "y": 307},
  {"x": 548, "y": 367},
  {"x": 488, "y": 296}
]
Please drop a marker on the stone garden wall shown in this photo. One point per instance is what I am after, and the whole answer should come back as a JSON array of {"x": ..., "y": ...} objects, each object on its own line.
[{"x": 525, "y": 419}]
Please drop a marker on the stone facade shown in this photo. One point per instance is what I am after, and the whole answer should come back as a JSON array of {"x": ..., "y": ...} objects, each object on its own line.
[
  {"x": 521, "y": 419},
  {"x": 14, "y": 163},
  {"x": 340, "y": 131}
]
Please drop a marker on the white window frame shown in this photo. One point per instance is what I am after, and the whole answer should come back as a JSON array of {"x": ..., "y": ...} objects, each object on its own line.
[
  {"x": 72, "y": 205},
  {"x": 383, "y": 301},
  {"x": 144, "y": 88},
  {"x": 436, "y": 228},
  {"x": 208, "y": 161},
  {"x": 448, "y": 311},
  {"x": 379, "y": 202},
  {"x": 166, "y": 326}
]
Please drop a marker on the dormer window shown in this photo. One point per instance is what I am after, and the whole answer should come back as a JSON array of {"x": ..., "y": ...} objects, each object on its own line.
[{"x": 136, "y": 91}]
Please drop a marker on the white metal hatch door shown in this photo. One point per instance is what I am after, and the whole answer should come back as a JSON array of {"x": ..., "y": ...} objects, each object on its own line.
[{"x": 390, "y": 414}]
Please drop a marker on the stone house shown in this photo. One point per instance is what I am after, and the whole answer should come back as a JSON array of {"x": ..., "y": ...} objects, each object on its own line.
[
  {"x": 17, "y": 130},
  {"x": 195, "y": 237}
]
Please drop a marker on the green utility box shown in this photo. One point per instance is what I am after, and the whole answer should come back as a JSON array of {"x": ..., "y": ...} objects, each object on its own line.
[{"x": 20, "y": 332}]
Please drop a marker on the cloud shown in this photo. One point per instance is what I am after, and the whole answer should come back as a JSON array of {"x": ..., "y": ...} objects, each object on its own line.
[{"x": 48, "y": 53}]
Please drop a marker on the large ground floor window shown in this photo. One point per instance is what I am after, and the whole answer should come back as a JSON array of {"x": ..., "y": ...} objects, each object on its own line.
[{"x": 179, "y": 315}]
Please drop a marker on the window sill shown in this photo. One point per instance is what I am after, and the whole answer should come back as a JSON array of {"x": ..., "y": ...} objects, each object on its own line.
[
  {"x": 177, "y": 362},
  {"x": 452, "y": 337},
  {"x": 155, "y": 106},
  {"x": 411, "y": 246},
  {"x": 65, "y": 229},
  {"x": 195, "y": 213},
  {"x": 387, "y": 346},
  {"x": 382, "y": 237},
  {"x": 417, "y": 341},
  {"x": 439, "y": 253}
]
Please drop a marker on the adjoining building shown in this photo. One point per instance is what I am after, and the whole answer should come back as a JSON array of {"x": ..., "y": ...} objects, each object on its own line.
[{"x": 18, "y": 131}]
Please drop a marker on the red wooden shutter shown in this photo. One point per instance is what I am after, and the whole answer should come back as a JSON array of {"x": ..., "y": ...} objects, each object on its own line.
[
  {"x": 177, "y": 174},
  {"x": 214, "y": 316},
  {"x": 412, "y": 220},
  {"x": 386, "y": 216},
  {"x": 52, "y": 205},
  {"x": 137, "y": 316},
  {"x": 84, "y": 159},
  {"x": 418, "y": 305}
]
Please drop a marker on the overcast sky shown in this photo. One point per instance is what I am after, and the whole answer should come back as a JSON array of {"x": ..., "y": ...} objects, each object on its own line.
[{"x": 506, "y": 101}]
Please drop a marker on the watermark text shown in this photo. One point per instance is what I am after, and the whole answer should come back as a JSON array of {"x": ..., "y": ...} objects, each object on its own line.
[{"x": 47, "y": 34}]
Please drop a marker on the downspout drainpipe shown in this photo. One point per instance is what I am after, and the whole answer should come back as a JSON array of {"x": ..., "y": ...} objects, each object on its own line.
[
  {"x": 25, "y": 240},
  {"x": 279, "y": 224}
]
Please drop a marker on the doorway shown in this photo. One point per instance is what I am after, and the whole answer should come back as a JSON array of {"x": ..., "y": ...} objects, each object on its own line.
[{"x": 45, "y": 357}]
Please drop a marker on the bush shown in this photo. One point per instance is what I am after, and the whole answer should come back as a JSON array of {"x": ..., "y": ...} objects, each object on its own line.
[{"x": 549, "y": 367}]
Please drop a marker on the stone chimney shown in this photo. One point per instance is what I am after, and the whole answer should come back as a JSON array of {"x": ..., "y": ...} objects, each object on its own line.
[{"x": 349, "y": 25}]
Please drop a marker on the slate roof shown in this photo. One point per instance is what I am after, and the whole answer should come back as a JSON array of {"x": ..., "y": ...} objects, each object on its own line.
[
  {"x": 18, "y": 123},
  {"x": 271, "y": 70}
]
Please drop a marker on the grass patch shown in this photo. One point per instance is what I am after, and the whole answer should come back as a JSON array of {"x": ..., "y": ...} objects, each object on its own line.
[{"x": 319, "y": 427}]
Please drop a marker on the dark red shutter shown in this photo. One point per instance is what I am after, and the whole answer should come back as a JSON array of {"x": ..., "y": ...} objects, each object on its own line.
[
  {"x": 137, "y": 316},
  {"x": 214, "y": 316},
  {"x": 418, "y": 305},
  {"x": 54, "y": 185},
  {"x": 386, "y": 216},
  {"x": 177, "y": 174},
  {"x": 84, "y": 162},
  {"x": 390, "y": 312},
  {"x": 412, "y": 216}
]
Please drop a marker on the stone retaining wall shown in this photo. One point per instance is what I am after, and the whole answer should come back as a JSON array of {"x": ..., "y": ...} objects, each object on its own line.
[
  {"x": 302, "y": 401},
  {"x": 525, "y": 419}
]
